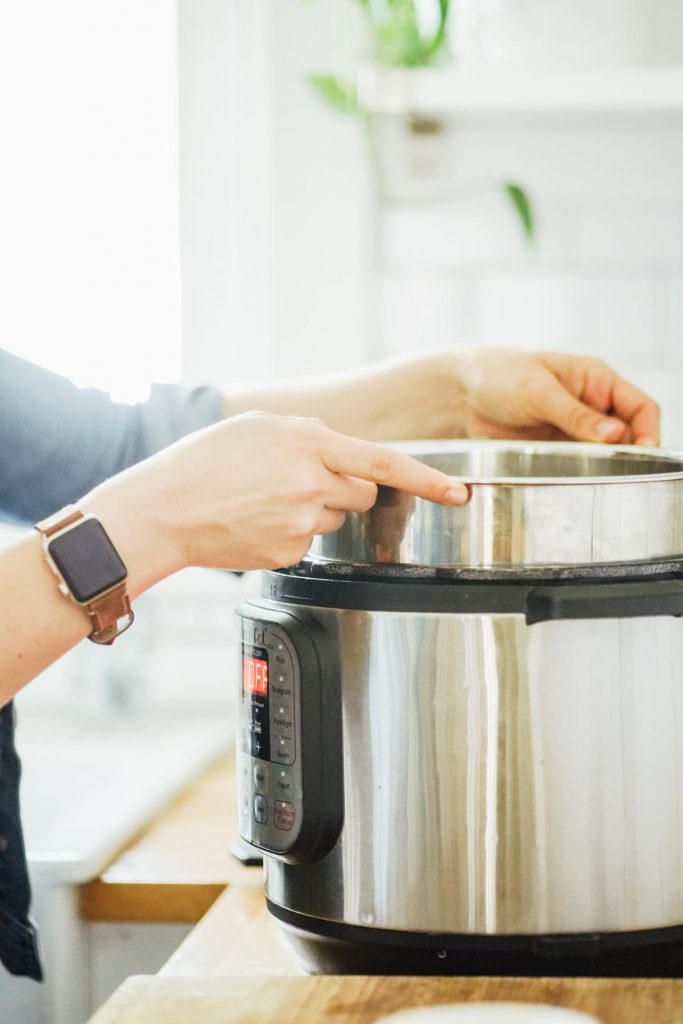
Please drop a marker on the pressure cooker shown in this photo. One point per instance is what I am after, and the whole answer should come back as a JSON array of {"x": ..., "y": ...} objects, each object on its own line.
[{"x": 460, "y": 728}]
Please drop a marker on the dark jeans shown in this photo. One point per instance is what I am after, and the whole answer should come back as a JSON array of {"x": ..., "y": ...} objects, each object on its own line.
[{"x": 18, "y": 940}]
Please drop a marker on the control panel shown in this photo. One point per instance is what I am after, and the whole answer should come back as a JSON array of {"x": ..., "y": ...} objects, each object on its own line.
[
  {"x": 270, "y": 777},
  {"x": 289, "y": 788}
]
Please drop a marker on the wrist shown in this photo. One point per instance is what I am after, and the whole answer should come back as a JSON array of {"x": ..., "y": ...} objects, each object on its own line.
[
  {"x": 481, "y": 398},
  {"x": 145, "y": 541},
  {"x": 448, "y": 386}
]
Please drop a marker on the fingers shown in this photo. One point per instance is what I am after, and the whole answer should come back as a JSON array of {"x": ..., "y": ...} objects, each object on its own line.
[
  {"x": 554, "y": 404},
  {"x": 351, "y": 494},
  {"x": 599, "y": 389},
  {"x": 639, "y": 410},
  {"x": 374, "y": 462},
  {"x": 330, "y": 520}
]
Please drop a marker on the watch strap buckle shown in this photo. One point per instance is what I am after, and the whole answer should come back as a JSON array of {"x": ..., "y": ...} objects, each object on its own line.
[{"x": 110, "y": 614}]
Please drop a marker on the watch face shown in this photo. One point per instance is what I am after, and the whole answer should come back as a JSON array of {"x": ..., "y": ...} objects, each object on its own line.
[{"x": 87, "y": 560}]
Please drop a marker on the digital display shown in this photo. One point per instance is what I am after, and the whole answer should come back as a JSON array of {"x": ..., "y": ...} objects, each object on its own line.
[{"x": 255, "y": 676}]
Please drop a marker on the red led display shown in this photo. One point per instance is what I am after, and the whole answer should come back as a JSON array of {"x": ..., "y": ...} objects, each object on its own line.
[{"x": 255, "y": 677}]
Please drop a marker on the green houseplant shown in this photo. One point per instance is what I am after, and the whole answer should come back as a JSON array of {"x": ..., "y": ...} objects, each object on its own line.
[{"x": 401, "y": 39}]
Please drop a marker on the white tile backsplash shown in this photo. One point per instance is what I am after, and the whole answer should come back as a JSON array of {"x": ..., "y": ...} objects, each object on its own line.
[
  {"x": 599, "y": 315},
  {"x": 632, "y": 233},
  {"x": 605, "y": 275},
  {"x": 581, "y": 158},
  {"x": 421, "y": 311},
  {"x": 479, "y": 228}
]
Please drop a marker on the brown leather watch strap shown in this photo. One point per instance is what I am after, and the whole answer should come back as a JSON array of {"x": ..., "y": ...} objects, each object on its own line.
[
  {"x": 110, "y": 612},
  {"x": 59, "y": 521},
  {"x": 106, "y": 613}
]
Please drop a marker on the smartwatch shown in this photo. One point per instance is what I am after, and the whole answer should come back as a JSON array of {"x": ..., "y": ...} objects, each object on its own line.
[{"x": 89, "y": 569}]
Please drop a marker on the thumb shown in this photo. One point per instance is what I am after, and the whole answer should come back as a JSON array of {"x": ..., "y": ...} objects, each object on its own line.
[{"x": 559, "y": 408}]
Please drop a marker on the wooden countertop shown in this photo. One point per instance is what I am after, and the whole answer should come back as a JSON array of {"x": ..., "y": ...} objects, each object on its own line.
[
  {"x": 178, "y": 865},
  {"x": 235, "y": 966},
  {"x": 363, "y": 1000},
  {"x": 236, "y": 938}
]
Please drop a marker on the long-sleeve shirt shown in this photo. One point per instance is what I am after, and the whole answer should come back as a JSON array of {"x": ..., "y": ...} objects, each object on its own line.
[{"x": 57, "y": 442}]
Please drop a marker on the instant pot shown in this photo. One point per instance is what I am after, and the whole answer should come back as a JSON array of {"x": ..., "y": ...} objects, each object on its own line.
[{"x": 460, "y": 728}]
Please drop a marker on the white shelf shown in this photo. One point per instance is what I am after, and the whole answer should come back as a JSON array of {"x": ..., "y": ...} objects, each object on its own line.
[{"x": 635, "y": 90}]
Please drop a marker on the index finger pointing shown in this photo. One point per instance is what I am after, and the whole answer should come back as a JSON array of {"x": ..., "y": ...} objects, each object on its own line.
[{"x": 348, "y": 455}]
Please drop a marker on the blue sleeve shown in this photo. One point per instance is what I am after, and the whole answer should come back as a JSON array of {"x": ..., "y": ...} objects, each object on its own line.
[{"x": 57, "y": 441}]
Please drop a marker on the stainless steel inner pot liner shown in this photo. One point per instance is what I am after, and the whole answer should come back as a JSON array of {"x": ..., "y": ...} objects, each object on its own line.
[{"x": 532, "y": 504}]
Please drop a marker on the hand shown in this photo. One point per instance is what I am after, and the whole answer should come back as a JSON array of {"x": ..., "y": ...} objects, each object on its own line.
[
  {"x": 252, "y": 492},
  {"x": 552, "y": 396}
]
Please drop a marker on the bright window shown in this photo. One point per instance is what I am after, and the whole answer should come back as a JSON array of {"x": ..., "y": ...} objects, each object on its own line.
[{"x": 89, "y": 224}]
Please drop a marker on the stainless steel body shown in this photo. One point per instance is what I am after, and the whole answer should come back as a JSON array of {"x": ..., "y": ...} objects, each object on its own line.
[
  {"x": 512, "y": 762},
  {"x": 533, "y": 504},
  {"x": 501, "y": 778}
]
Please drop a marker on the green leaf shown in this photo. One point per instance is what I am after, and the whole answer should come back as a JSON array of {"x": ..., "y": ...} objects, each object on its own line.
[
  {"x": 436, "y": 45},
  {"x": 523, "y": 207},
  {"x": 399, "y": 40},
  {"x": 340, "y": 93},
  {"x": 397, "y": 36}
]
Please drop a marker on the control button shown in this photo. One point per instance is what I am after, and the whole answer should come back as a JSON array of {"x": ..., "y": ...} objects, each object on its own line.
[
  {"x": 284, "y": 782},
  {"x": 282, "y": 688},
  {"x": 284, "y": 815},
  {"x": 256, "y": 746},
  {"x": 258, "y": 717},
  {"x": 282, "y": 693},
  {"x": 245, "y": 777},
  {"x": 261, "y": 810},
  {"x": 282, "y": 719},
  {"x": 283, "y": 723},
  {"x": 260, "y": 777},
  {"x": 282, "y": 749},
  {"x": 283, "y": 708}
]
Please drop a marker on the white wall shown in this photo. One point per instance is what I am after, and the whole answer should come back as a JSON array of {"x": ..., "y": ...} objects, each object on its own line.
[
  {"x": 224, "y": 187},
  {"x": 276, "y": 217},
  {"x": 605, "y": 275},
  {"x": 323, "y": 217}
]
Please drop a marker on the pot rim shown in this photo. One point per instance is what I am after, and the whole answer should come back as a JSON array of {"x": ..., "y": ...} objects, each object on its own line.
[{"x": 423, "y": 449}]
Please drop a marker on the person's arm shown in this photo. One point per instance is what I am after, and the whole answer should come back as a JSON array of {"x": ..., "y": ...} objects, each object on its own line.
[
  {"x": 58, "y": 441},
  {"x": 38, "y": 624},
  {"x": 495, "y": 393},
  {"x": 247, "y": 493}
]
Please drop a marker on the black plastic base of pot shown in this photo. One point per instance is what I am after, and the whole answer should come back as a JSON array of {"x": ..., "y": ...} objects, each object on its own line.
[{"x": 326, "y": 947}]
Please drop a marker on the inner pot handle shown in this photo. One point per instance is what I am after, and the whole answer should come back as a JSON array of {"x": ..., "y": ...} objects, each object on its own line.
[{"x": 620, "y": 600}]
